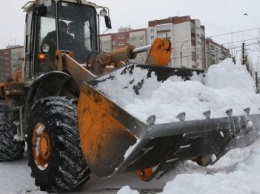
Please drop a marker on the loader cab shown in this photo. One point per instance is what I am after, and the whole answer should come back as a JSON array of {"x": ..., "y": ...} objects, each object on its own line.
[{"x": 44, "y": 33}]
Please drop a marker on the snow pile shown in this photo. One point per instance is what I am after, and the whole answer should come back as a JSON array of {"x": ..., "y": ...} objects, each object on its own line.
[
  {"x": 228, "y": 75},
  {"x": 225, "y": 86},
  {"x": 241, "y": 178},
  {"x": 127, "y": 190}
]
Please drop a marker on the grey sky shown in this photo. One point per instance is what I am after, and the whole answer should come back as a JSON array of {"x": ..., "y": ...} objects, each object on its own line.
[{"x": 218, "y": 16}]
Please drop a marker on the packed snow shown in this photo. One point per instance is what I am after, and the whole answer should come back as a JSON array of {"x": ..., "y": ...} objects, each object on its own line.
[
  {"x": 223, "y": 87},
  {"x": 226, "y": 86}
]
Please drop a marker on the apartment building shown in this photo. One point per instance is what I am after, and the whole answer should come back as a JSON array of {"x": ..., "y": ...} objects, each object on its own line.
[
  {"x": 16, "y": 58},
  {"x": 187, "y": 35},
  {"x": 125, "y": 37},
  {"x": 215, "y": 52},
  {"x": 105, "y": 42},
  {"x": 5, "y": 64},
  {"x": 10, "y": 61},
  {"x": 137, "y": 38},
  {"x": 188, "y": 40},
  {"x": 112, "y": 41}
]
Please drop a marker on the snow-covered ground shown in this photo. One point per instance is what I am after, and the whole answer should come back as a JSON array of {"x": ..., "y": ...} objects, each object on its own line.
[
  {"x": 225, "y": 86},
  {"x": 237, "y": 172}
]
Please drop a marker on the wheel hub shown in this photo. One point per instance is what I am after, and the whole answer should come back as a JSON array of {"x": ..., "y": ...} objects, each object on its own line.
[
  {"x": 44, "y": 146},
  {"x": 41, "y": 146}
]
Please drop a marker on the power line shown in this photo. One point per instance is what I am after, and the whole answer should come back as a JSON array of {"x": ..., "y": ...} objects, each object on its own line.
[
  {"x": 227, "y": 34},
  {"x": 235, "y": 32},
  {"x": 254, "y": 43},
  {"x": 241, "y": 41}
]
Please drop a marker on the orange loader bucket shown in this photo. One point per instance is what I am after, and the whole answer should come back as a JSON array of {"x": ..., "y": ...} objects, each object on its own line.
[
  {"x": 114, "y": 141},
  {"x": 104, "y": 140}
]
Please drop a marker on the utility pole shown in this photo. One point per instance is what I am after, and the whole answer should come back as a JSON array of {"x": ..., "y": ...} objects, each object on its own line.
[
  {"x": 244, "y": 56},
  {"x": 184, "y": 42},
  {"x": 256, "y": 82}
]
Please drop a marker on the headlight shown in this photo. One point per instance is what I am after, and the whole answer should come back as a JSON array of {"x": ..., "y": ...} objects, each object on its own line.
[
  {"x": 103, "y": 12},
  {"x": 47, "y": 3},
  {"x": 45, "y": 48}
]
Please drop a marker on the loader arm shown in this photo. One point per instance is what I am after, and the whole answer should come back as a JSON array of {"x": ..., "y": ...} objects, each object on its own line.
[{"x": 159, "y": 54}]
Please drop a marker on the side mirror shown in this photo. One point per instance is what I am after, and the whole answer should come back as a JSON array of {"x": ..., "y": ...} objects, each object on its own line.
[
  {"x": 41, "y": 10},
  {"x": 108, "y": 22}
]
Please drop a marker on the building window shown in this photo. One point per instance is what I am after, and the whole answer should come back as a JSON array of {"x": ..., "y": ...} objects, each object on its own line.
[
  {"x": 163, "y": 27},
  {"x": 193, "y": 56},
  {"x": 193, "y": 42},
  {"x": 121, "y": 37},
  {"x": 213, "y": 53}
]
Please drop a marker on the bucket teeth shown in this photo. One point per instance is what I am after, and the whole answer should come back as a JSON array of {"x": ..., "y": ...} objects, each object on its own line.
[
  {"x": 151, "y": 120},
  {"x": 247, "y": 110},
  {"x": 207, "y": 114},
  {"x": 229, "y": 112},
  {"x": 181, "y": 116}
]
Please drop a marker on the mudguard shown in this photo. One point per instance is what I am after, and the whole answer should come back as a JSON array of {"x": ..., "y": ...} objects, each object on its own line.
[{"x": 48, "y": 84}]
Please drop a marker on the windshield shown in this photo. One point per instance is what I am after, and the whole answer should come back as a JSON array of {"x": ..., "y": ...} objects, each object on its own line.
[{"x": 77, "y": 30}]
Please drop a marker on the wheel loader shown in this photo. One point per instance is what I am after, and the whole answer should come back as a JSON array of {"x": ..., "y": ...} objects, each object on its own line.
[{"x": 72, "y": 128}]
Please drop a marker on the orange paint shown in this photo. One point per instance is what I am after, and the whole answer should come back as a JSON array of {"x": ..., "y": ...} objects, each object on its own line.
[{"x": 104, "y": 140}]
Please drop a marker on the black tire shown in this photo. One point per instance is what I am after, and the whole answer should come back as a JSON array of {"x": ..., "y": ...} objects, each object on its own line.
[
  {"x": 61, "y": 167},
  {"x": 10, "y": 149},
  {"x": 3, "y": 109}
]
